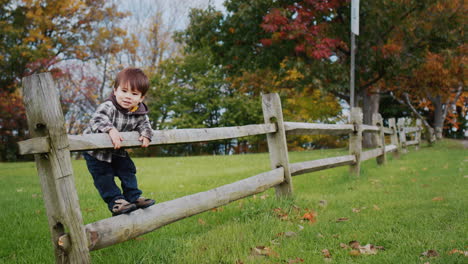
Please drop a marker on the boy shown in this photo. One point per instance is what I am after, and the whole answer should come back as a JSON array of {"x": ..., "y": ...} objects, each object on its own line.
[{"x": 123, "y": 111}]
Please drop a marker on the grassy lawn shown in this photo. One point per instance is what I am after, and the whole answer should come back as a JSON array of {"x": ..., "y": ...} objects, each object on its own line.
[{"x": 409, "y": 206}]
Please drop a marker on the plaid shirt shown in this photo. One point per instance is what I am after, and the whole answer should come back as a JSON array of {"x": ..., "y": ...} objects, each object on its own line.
[{"x": 107, "y": 116}]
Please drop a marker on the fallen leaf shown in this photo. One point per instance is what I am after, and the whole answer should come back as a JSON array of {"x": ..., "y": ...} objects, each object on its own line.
[
  {"x": 263, "y": 251},
  {"x": 342, "y": 219},
  {"x": 430, "y": 253},
  {"x": 356, "y": 210},
  {"x": 296, "y": 260},
  {"x": 354, "y": 253},
  {"x": 219, "y": 209},
  {"x": 438, "y": 198},
  {"x": 336, "y": 235},
  {"x": 310, "y": 216},
  {"x": 343, "y": 245},
  {"x": 201, "y": 222},
  {"x": 263, "y": 197},
  {"x": 239, "y": 261},
  {"x": 326, "y": 253},
  {"x": 320, "y": 235},
  {"x": 376, "y": 207},
  {"x": 368, "y": 249},
  {"x": 461, "y": 252},
  {"x": 354, "y": 244},
  {"x": 323, "y": 203}
]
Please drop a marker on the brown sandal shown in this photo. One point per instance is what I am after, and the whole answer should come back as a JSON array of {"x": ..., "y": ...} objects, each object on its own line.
[
  {"x": 121, "y": 206},
  {"x": 143, "y": 202}
]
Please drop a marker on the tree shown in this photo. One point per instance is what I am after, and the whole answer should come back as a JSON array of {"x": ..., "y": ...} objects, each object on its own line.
[{"x": 314, "y": 36}]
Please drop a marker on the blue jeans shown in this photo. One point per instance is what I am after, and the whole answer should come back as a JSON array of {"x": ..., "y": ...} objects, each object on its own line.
[{"x": 103, "y": 175}]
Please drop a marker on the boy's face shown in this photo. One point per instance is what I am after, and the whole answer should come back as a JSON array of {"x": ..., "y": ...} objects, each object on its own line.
[{"x": 128, "y": 98}]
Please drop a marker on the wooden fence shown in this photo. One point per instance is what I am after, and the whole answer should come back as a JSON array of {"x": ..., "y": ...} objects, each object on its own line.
[{"x": 51, "y": 146}]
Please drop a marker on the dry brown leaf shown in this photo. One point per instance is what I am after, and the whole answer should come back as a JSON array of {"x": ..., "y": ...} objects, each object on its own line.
[
  {"x": 239, "y": 261},
  {"x": 310, "y": 216},
  {"x": 296, "y": 260},
  {"x": 320, "y": 235},
  {"x": 201, "y": 221},
  {"x": 461, "y": 252},
  {"x": 430, "y": 253},
  {"x": 368, "y": 249},
  {"x": 342, "y": 219},
  {"x": 263, "y": 197},
  {"x": 336, "y": 235},
  {"x": 326, "y": 253},
  {"x": 438, "y": 198},
  {"x": 281, "y": 214},
  {"x": 354, "y": 244},
  {"x": 376, "y": 207},
  {"x": 356, "y": 210},
  {"x": 343, "y": 245},
  {"x": 354, "y": 253},
  {"x": 263, "y": 251}
]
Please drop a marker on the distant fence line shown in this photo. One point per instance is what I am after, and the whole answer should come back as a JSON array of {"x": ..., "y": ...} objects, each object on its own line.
[{"x": 72, "y": 240}]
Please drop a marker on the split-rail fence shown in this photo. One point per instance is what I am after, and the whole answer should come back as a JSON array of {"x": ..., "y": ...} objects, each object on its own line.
[{"x": 51, "y": 146}]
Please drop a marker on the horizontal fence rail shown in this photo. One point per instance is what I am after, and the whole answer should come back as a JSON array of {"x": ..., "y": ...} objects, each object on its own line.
[
  {"x": 369, "y": 154},
  {"x": 390, "y": 148},
  {"x": 161, "y": 137},
  {"x": 368, "y": 128},
  {"x": 121, "y": 228},
  {"x": 388, "y": 131},
  {"x": 298, "y": 128},
  {"x": 321, "y": 164}
]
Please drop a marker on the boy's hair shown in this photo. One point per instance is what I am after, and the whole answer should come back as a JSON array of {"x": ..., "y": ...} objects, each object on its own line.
[{"x": 135, "y": 78}]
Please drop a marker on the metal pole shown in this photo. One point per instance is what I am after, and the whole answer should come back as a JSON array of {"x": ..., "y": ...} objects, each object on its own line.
[{"x": 353, "y": 57}]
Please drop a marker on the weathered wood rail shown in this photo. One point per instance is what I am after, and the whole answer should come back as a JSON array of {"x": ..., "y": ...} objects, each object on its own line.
[{"x": 72, "y": 240}]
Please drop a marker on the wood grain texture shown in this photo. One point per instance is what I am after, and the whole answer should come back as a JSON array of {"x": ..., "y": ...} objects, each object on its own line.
[
  {"x": 321, "y": 164},
  {"x": 121, "y": 228},
  {"x": 45, "y": 119},
  {"x": 277, "y": 146},
  {"x": 298, "y": 128}
]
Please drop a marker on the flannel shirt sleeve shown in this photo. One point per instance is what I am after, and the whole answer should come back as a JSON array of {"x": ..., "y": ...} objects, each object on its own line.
[
  {"x": 100, "y": 121},
  {"x": 144, "y": 128}
]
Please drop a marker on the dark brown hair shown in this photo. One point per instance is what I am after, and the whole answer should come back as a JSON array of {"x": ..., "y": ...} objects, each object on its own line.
[{"x": 134, "y": 77}]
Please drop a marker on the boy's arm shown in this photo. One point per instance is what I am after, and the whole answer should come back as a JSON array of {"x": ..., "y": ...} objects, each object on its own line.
[
  {"x": 100, "y": 122},
  {"x": 144, "y": 128}
]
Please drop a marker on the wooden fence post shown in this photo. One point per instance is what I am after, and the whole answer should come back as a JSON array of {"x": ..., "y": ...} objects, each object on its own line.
[
  {"x": 394, "y": 137},
  {"x": 277, "y": 146},
  {"x": 402, "y": 135},
  {"x": 380, "y": 137},
  {"x": 45, "y": 118},
  {"x": 418, "y": 134},
  {"x": 355, "y": 140}
]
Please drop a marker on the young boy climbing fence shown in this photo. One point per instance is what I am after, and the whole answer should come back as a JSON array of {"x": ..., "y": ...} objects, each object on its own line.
[{"x": 123, "y": 111}]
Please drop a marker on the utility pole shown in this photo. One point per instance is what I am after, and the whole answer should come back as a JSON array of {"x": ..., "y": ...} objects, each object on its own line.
[{"x": 354, "y": 32}]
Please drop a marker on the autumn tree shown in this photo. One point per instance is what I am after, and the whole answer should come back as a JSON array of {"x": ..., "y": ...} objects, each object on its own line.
[
  {"x": 44, "y": 35},
  {"x": 315, "y": 35}
]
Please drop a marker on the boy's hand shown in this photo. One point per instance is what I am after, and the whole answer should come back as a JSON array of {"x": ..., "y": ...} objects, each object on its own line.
[
  {"x": 145, "y": 141},
  {"x": 115, "y": 138}
]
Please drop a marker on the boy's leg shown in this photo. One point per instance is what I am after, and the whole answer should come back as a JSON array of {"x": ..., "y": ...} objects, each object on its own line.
[
  {"x": 125, "y": 169},
  {"x": 103, "y": 176}
]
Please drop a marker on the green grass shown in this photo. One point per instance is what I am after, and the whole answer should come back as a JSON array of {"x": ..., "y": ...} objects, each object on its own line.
[{"x": 397, "y": 211}]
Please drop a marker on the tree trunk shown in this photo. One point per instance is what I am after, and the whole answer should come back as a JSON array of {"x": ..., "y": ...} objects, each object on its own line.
[
  {"x": 370, "y": 106},
  {"x": 439, "y": 116}
]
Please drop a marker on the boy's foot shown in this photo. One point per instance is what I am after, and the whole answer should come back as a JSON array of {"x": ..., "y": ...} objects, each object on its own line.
[
  {"x": 143, "y": 202},
  {"x": 121, "y": 206}
]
